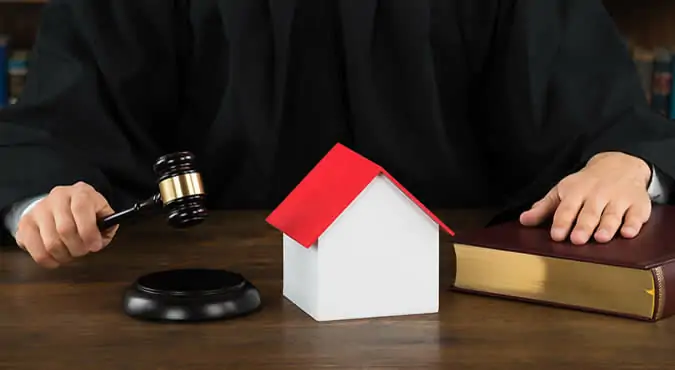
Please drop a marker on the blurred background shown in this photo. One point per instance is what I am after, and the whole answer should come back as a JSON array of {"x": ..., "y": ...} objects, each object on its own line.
[{"x": 647, "y": 26}]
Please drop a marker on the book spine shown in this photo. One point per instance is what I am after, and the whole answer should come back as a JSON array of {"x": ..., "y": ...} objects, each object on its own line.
[
  {"x": 4, "y": 76},
  {"x": 664, "y": 287},
  {"x": 662, "y": 82}
]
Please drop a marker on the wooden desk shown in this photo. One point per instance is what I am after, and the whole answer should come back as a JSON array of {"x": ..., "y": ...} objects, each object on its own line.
[{"x": 71, "y": 318}]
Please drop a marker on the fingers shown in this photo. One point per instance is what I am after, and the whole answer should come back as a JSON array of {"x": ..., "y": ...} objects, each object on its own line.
[
  {"x": 608, "y": 194},
  {"x": 84, "y": 215},
  {"x": 66, "y": 226},
  {"x": 50, "y": 237},
  {"x": 636, "y": 216},
  {"x": 63, "y": 226},
  {"x": 28, "y": 237},
  {"x": 541, "y": 210},
  {"x": 100, "y": 204},
  {"x": 611, "y": 221},
  {"x": 109, "y": 234},
  {"x": 92, "y": 207},
  {"x": 565, "y": 216},
  {"x": 600, "y": 219},
  {"x": 588, "y": 219}
]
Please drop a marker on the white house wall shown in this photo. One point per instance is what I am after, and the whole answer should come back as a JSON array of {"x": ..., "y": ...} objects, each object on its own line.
[
  {"x": 301, "y": 275},
  {"x": 379, "y": 258}
]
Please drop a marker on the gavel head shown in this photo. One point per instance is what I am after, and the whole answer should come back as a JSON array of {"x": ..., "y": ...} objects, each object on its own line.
[{"x": 180, "y": 189}]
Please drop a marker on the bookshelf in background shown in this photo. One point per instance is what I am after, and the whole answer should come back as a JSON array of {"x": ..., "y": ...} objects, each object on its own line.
[
  {"x": 648, "y": 27},
  {"x": 649, "y": 31},
  {"x": 19, "y": 21},
  {"x": 649, "y": 24}
]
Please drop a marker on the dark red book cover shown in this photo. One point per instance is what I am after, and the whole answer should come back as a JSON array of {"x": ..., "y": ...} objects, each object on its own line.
[{"x": 653, "y": 249}]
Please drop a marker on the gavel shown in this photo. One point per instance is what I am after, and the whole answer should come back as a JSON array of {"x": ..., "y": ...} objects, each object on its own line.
[
  {"x": 181, "y": 194},
  {"x": 188, "y": 294}
]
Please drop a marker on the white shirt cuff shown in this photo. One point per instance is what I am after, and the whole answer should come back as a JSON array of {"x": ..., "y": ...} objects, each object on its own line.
[
  {"x": 659, "y": 187},
  {"x": 18, "y": 210}
]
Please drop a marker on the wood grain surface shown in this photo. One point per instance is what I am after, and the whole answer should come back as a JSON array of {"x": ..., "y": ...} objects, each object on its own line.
[{"x": 71, "y": 318}]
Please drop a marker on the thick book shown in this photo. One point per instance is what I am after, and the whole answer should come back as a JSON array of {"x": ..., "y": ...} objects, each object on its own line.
[{"x": 632, "y": 278}]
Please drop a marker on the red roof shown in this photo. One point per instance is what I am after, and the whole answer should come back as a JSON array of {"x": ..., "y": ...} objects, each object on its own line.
[{"x": 326, "y": 192}]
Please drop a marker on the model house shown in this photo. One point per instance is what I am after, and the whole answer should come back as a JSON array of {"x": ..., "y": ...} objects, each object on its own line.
[{"x": 356, "y": 243}]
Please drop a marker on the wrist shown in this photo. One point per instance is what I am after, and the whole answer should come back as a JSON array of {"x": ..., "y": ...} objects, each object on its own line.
[{"x": 636, "y": 167}]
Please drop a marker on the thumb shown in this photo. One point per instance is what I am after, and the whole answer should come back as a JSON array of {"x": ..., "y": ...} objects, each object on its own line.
[
  {"x": 101, "y": 206},
  {"x": 542, "y": 209},
  {"x": 104, "y": 210}
]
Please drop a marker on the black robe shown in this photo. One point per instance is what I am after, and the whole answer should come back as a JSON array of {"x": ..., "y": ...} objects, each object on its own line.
[{"x": 467, "y": 103}]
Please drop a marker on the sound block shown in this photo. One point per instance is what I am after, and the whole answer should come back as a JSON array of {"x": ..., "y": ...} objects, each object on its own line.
[{"x": 190, "y": 295}]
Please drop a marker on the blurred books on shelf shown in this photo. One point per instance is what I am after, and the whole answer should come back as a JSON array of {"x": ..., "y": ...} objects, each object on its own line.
[
  {"x": 4, "y": 77},
  {"x": 17, "y": 71},
  {"x": 14, "y": 66},
  {"x": 655, "y": 68}
]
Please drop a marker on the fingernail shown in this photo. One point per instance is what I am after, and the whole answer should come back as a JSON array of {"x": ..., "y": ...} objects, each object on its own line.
[
  {"x": 629, "y": 230},
  {"x": 602, "y": 234},
  {"x": 580, "y": 236},
  {"x": 558, "y": 233}
]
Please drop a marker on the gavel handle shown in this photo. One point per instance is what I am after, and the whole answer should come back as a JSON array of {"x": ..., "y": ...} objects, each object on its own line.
[{"x": 133, "y": 211}]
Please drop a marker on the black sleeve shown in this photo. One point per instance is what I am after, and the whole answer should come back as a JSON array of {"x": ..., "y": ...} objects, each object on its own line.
[
  {"x": 101, "y": 91},
  {"x": 560, "y": 88}
]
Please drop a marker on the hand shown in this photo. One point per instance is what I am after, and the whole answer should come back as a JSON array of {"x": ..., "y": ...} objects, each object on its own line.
[
  {"x": 608, "y": 194},
  {"x": 62, "y": 226}
]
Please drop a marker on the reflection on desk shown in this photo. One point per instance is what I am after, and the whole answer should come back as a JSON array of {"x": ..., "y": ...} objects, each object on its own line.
[{"x": 72, "y": 317}]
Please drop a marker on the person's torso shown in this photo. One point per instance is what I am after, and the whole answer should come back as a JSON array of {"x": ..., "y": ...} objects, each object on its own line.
[{"x": 265, "y": 102}]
